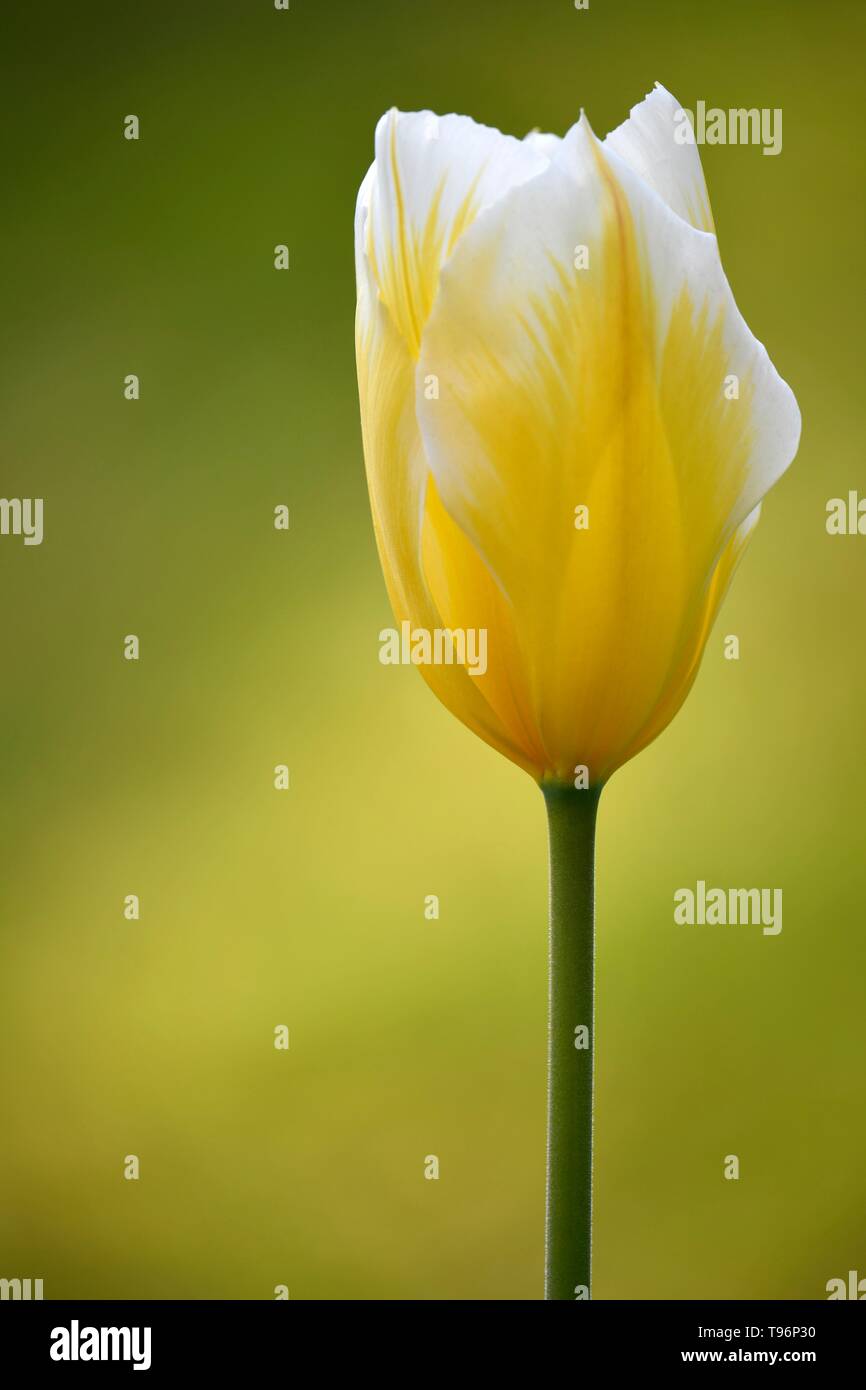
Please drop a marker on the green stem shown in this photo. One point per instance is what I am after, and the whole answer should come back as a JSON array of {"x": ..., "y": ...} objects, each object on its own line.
[{"x": 571, "y": 818}]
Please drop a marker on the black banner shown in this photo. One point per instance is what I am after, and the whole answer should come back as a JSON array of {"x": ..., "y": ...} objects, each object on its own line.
[{"x": 222, "y": 1338}]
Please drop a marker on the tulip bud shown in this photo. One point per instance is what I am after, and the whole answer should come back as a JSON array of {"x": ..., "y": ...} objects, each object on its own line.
[{"x": 594, "y": 387}]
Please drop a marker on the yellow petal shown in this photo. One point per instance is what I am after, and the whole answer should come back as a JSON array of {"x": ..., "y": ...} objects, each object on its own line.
[
  {"x": 468, "y": 598},
  {"x": 604, "y": 387},
  {"x": 679, "y": 681},
  {"x": 431, "y": 177},
  {"x": 429, "y": 180}
]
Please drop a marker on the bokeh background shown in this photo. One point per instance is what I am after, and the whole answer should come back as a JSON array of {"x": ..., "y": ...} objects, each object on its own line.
[{"x": 408, "y": 1037}]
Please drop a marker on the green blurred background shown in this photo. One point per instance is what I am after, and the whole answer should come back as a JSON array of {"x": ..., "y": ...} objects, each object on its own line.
[{"x": 408, "y": 1037}]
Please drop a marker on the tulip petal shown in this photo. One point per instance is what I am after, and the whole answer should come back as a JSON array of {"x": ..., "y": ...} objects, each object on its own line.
[
  {"x": 397, "y": 470},
  {"x": 651, "y": 142},
  {"x": 468, "y": 598},
  {"x": 632, "y": 387},
  {"x": 681, "y": 680},
  {"x": 433, "y": 176}
]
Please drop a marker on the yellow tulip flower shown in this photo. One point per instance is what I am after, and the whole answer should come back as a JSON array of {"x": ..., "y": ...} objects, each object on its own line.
[
  {"x": 568, "y": 430},
  {"x": 565, "y": 304}
]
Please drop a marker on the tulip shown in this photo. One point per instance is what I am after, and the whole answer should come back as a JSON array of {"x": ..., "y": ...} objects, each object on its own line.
[{"x": 568, "y": 429}]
